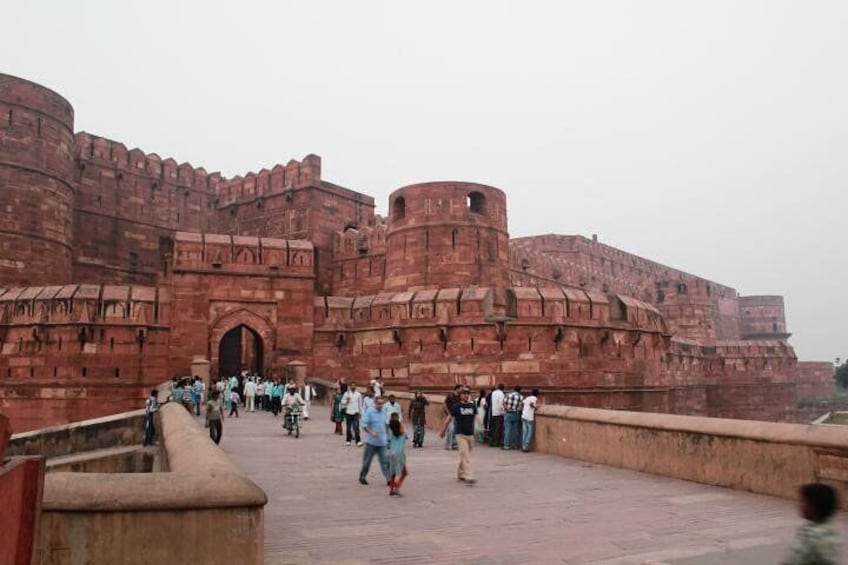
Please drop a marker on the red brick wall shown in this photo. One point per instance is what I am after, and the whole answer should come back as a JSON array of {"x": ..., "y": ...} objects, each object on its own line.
[
  {"x": 79, "y": 351},
  {"x": 815, "y": 380},
  {"x": 128, "y": 206}
]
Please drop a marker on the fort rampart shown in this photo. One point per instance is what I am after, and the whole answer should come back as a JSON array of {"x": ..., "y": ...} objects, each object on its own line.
[{"x": 118, "y": 268}]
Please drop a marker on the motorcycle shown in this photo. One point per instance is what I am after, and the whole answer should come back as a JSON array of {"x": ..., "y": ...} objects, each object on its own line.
[{"x": 291, "y": 420}]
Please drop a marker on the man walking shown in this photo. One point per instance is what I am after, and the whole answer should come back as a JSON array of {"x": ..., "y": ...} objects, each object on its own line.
[
  {"x": 462, "y": 418},
  {"x": 497, "y": 424},
  {"x": 250, "y": 393},
  {"x": 352, "y": 404},
  {"x": 418, "y": 416},
  {"x": 376, "y": 440}
]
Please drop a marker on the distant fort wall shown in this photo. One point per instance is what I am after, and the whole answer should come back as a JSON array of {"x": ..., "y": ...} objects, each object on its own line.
[{"x": 696, "y": 308}]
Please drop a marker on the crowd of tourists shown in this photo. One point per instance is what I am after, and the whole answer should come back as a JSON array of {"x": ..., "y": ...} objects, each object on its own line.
[
  {"x": 376, "y": 421},
  {"x": 226, "y": 395},
  {"x": 495, "y": 418}
]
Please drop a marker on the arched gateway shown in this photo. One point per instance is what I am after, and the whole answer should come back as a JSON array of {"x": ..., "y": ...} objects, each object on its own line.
[{"x": 240, "y": 340}]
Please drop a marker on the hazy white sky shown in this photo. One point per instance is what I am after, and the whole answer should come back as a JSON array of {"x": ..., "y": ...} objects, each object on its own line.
[{"x": 711, "y": 135}]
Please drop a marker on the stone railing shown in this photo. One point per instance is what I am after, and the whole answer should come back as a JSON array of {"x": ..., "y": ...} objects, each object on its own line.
[
  {"x": 761, "y": 457},
  {"x": 200, "y": 509},
  {"x": 88, "y": 435}
]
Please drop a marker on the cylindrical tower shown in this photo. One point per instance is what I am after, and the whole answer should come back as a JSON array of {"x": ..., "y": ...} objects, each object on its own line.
[
  {"x": 36, "y": 184},
  {"x": 762, "y": 317},
  {"x": 447, "y": 235}
]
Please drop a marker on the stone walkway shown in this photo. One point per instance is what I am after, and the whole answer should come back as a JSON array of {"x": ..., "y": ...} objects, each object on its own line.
[{"x": 526, "y": 508}]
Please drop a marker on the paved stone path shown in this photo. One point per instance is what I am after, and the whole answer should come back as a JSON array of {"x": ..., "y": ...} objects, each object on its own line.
[{"x": 526, "y": 508}]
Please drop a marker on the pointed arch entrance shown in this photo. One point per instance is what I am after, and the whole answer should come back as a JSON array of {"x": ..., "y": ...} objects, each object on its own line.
[
  {"x": 240, "y": 340},
  {"x": 240, "y": 348}
]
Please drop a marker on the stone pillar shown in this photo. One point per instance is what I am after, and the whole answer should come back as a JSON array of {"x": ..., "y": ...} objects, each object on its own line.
[
  {"x": 200, "y": 368},
  {"x": 296, "y": 370}
]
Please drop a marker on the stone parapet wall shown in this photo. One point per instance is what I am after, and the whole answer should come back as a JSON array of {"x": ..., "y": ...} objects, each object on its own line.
[
  {"x": 88, "y": 435},
  {"x": 761, "y": 457},
  {"x": 203, "y": 496}
]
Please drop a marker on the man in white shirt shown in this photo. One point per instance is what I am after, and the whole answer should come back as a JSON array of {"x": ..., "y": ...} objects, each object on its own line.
[
  {"x": 308, "y": 395},
  {"x": 528, "y": 419},
  {"x": 250, "y": 394},
  {"x": 352, "y": 406},
  {"x": 377, "y": 387},
  {"x": 497, "y": 425}
]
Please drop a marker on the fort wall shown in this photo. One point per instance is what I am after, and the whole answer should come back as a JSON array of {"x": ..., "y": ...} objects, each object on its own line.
[
  {"x": 172, "y": 262},
  {"x": 128, "y": 206},
  {"x": 695, "y": 307},
  {"x": 77, "y": 351},
  {"x": 293, "y": 202}
]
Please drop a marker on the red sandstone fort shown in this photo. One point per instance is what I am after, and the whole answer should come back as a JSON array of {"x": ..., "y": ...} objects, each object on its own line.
[{"x": 119, "y": 267}]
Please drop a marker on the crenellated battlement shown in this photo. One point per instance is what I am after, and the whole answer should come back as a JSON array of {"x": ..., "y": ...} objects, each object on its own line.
[
  {"x": 83, "y": 304},
  {"x": 242, "y": 255},
  {"x": 92, "y": 150},
  {"x": 281, "y": 178},
  {"x": 475, "y": 305},
  {"x": 355, "y": 242}
]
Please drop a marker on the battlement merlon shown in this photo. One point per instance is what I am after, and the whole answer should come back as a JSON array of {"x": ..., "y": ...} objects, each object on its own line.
[
  {"x": 83, "y": 304},
  {"x": 242, "y": 255},
  {"x": 280, "y": 178},
  {"x": 560, "y": 244}
]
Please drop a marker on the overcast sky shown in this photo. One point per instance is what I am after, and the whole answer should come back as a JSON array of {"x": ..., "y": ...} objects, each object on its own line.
[{"x": 711, "y": 136}]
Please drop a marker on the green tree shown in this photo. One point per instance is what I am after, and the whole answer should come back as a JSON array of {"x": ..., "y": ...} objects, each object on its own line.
[{"x": 841, "y": 374}]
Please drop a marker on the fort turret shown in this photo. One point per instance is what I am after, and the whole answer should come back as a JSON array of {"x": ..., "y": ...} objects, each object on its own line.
[
  {"x": 36, "y": 184},
  {"x": 447, "y": 235}
]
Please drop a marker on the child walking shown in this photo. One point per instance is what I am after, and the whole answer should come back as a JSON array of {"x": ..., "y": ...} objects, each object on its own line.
[
  {"x": 816, "y": 542},
  {"x": 397, "y": 455}
]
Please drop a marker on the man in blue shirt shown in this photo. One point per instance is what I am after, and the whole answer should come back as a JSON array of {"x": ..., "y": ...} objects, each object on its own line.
[{"x": 374, "y": 426}]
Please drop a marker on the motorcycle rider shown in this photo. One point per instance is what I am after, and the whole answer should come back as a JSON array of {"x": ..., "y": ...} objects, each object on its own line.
[{"x": 291, "y": 405}]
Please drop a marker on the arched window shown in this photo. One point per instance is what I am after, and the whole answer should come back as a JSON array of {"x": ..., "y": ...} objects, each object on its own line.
[
  {"x": 399, "y": 208},
  {"x": 476, "y": 203}
]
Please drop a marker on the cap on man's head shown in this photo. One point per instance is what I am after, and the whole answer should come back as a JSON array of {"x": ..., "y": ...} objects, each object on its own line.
[{"x": 465, "y": 389}]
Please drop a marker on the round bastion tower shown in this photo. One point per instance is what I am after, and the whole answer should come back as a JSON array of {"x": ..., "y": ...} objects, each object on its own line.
[
  {"x": 36, "y": 184},
  {"x": 447, "y": 235}
]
